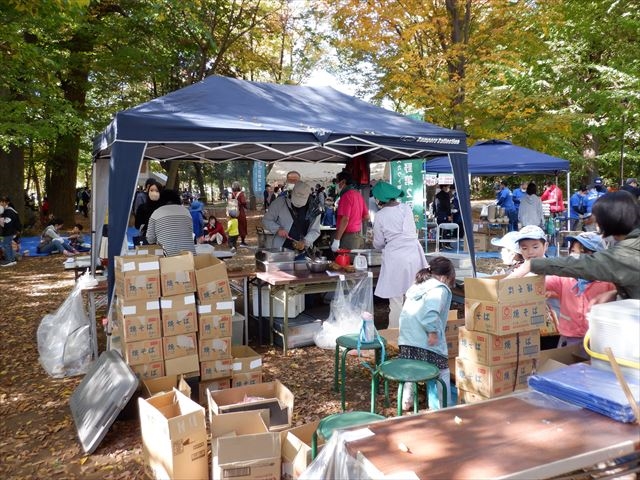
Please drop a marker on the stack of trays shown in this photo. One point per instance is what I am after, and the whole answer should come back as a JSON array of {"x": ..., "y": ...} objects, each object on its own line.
[
  {"x": 274, "y": 260},
  {"x": 585, "y": 386}
]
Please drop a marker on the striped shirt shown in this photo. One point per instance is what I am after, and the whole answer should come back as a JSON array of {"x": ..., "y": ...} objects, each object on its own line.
[{"x": 171, "y": 226}]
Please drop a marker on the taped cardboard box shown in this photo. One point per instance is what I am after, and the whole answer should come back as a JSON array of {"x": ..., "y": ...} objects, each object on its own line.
[
  {"x": 492, "y": 381},
  {"x": 500, "y": 289},
  {"x": 220, "y": 307},
  {"x": 502, "y": 318},
  {"x": 245, "y": 359},
  {"x": 213, "y": 385},
  {"x": 214, "y": 348},
  {"x": 273, "y": 396},
  {"x": 177, "y": 274},
  {"x": 146, "y": 371},
  {"x": 138, "y": 319},
  {"x": 144, "y": 351},
  {"x": 174, "y": 437},
  {"x": 212, "y": 369},
  {"x": 470, "y": 397},
  {"x": 179, "y": 345},
  {"x": 137, "y": 277},
  {"x": 490, "y": 349},
  {"x": 243, "y": 448},
  {"x": 154, "y": 249},
  {"x": 215, "y": 326},
  {"x": 179, "y": 314},
  {"x": 212, "y": 280},
  {"x": 187, "y": 365},
  {"x": 246, "y": 378},
  {"x": 296, "y": 449}
]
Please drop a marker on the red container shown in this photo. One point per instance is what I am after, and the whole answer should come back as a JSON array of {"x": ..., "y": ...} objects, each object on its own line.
[{"x": 342, "y": 258}]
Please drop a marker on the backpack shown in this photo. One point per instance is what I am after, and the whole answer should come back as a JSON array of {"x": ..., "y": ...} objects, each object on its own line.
[
  {"x": 582, "y": 206},
  {"x": 232, "y": 207}
]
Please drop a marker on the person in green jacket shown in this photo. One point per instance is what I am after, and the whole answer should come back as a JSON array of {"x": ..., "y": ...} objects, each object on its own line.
[{"x": 617, "y": 215}]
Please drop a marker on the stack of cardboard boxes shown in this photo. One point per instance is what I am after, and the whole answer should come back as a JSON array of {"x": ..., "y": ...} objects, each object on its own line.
[
  {"x": 482, "y": 235},
  {"x": 500, "y": 343}
]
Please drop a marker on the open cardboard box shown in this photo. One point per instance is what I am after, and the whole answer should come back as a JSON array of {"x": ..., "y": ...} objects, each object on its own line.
[
  {"x": 273, "y": 396},
  {"x": 243, "y": 448},
  {"x": 560, "y": 357},
  {"x": 296, "y": 449},
  {"x": 157, "y": 386}
]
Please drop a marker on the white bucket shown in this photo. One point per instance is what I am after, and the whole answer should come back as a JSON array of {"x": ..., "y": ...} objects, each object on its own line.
[{"x": 616, "y": 325}]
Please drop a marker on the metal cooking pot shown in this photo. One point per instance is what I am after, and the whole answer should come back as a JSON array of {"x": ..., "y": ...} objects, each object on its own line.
[{"x": 318, "y": 266}]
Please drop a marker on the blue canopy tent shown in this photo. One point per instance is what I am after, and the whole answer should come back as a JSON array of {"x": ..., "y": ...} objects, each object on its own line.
[
  {"x": 227, "y": 119},
  {"x": 500, "y": 157}
]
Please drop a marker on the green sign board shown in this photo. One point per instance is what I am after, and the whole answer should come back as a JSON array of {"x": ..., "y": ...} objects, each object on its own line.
[{"x": 407, "y": 175}]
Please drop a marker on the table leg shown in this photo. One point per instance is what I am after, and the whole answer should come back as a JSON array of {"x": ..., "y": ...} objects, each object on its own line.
[
  {"x": 92, "y": 327},
  {"x": 245, "y": 305},
  {"x": 285, "y": 320},
  {"x": 270, "y": 315}
]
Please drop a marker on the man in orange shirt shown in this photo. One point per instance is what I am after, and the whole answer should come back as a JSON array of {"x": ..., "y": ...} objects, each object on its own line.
[{"x": 352, "y": 210}]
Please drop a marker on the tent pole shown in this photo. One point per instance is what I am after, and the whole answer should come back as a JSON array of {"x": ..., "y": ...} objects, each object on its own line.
[
  {"x": 568, "y": 197},
  {"x": 94, "y": 236}
]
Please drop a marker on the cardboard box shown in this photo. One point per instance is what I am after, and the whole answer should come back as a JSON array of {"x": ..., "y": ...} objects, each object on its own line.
[
  {"x": 243, "y": 448},
  {"x": 490, "y": 349},
  {"x": 139, "y": 319},
  {"x": 214, "y": 348},
  {"x": 245, "y": 359},
  {"x": 296, "y": 449},
  {"x": 502, "y": 318},
  {"x": 215, "y": 326},
  {"x": 274, "y": 396},
  {"x": 144, "y": 351},
  {"x": 146, "y": 371},
  {"x": 246, "y": 378},
  {"x": 212, "y": 280},
  {"x": 499, "y": 289},
  {"x": 481, "y": 242},
  {"x": 492, "y": 381},
  {"x": 137, "y": 277},
  {"x": 165, "y": 384},
  {"x": 187, "y": 364},
  {"x": 177, "y": 274},
  {"x": 212, "y": 369},
  {"x": 155, "y": 250},
  {"x": 179, "y": 314},
  {"x": 470, "y": 397},
  {"x": 213, "y": 385},
  {"x": 220, "y": 307},
  {"x": 174, "y": 436},
  {"x": 179, "y": 345}
]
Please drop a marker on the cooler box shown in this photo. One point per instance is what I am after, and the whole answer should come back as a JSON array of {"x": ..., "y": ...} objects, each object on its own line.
[
  {"x": 296, "y": 304},
  {"x": 302, "y": 329}
]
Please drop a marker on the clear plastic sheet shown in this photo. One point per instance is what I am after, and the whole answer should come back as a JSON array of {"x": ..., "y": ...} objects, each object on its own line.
[
  {"x": 589, "y": 387},
  {"x": 64, "y": 337},
  {"x": 345, "y": 316}
]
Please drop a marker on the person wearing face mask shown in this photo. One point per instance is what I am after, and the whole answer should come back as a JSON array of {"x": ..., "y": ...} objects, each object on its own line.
[
  {"x": 575, "y": 294},
  {"x": 395, "y": 233},
  {"x": 293, "y": 177},
  {"x": 144, "y": 211},
  {"x": 352, "y": 210},
  {"x": 617, "y": 215}
]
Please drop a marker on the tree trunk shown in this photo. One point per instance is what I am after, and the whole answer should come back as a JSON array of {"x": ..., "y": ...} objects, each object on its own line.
[
  {"x": 12, "y": 178},
  {"x": 199, "y": 179},
  {"x": 172, "y": 175},
  {"x": 62, "y": 189}
]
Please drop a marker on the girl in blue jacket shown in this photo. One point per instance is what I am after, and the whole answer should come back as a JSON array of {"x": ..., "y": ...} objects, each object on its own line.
[{"x": 423, "y": 320}]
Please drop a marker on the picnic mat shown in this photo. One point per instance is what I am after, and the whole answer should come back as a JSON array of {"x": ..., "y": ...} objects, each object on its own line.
[{"x": 29, "y": 246}]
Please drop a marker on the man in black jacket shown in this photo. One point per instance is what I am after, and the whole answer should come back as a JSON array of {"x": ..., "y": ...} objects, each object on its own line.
[{"x": 10, "y": 227}]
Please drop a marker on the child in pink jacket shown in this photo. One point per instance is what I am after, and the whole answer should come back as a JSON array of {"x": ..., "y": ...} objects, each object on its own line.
[{"x": 575, "y": 294}]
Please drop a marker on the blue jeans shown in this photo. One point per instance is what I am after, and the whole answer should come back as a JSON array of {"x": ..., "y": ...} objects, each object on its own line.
[
  {"x": 8, "y": 248},
  {"x": 56, "y": 245}
]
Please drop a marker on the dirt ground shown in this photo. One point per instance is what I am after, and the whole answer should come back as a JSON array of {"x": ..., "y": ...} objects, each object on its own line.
[{"x": 37, "y": 435}]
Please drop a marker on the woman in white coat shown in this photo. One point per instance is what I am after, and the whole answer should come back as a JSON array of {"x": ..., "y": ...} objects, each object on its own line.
[{"x": 395, "y": 233}]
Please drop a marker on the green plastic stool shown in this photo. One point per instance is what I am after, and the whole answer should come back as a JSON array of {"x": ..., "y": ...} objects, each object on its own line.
[
  {"x": 337, "y": 421},
  {"x": 404, "y": 370},
  {"x": 350, "y": 342}
]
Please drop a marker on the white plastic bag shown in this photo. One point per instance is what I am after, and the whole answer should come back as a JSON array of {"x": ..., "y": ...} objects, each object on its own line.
[
  {"x": 347, "y": 306},
  {"x": 64, "y": 337}
]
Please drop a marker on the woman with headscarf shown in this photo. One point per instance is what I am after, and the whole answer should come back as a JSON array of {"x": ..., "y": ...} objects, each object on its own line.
[{"x": 395, "y": 233}]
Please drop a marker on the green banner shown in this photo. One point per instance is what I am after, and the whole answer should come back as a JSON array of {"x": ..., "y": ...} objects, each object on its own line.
[{"x": 407, "y": 175}]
